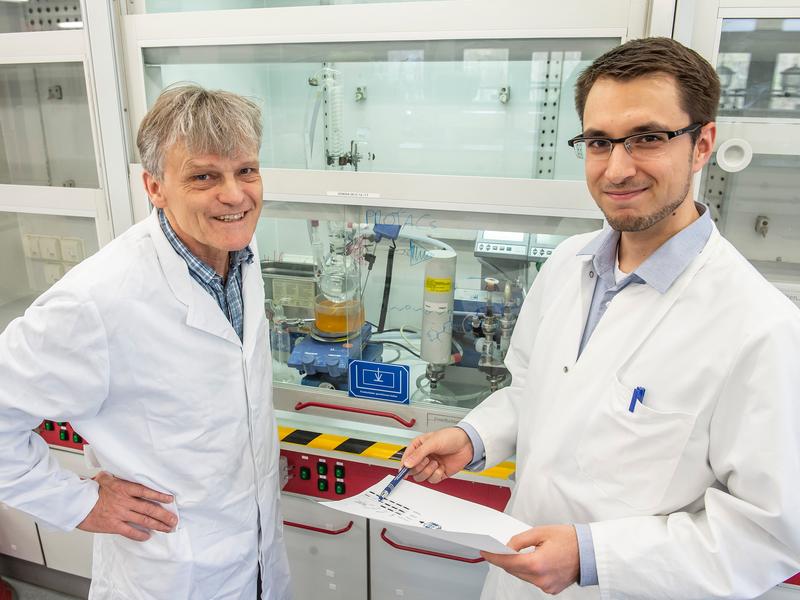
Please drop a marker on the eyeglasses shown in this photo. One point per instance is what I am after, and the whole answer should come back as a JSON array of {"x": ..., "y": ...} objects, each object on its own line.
[{"x": 641, "y": 146}]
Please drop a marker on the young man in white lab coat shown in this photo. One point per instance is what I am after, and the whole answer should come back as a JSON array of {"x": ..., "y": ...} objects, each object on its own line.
[
  {"x": 155, "y": 350},
  {"x": 654, "y": 408}
]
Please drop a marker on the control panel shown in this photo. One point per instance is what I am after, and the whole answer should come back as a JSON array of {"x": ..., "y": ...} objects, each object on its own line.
[
  {"x": 502, "y": 244},
  {"x": 542, "y": 246},
  {"x": 60, "y": 433},
  {"x": 334, "y": 479}
]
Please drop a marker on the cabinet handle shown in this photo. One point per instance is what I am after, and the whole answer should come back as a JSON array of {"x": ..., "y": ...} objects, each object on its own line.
[
  {"x": 344, "y": 529},
  {"x": 793, "y": 580},
  {"x": 361, "y": 411},
  {"x": 394, "y": 544}
]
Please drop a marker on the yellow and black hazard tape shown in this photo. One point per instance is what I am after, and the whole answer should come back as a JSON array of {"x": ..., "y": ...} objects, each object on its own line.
[{"x": 367, "y": 448}]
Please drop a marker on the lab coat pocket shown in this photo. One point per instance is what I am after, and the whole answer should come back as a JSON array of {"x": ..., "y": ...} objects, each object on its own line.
[
  {"x": 161, "y": 567},
  {"x": 632, "y": 456}
]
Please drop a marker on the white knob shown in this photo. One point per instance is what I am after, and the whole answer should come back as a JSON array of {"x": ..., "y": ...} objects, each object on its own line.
[{"x": 734, "y": 154}]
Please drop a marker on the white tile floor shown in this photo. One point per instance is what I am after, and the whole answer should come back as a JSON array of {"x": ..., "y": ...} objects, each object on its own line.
[{"x": 26, "y": 591}]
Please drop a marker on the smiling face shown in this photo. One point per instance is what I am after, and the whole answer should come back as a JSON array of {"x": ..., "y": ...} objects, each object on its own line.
[
  {"x": 212, "y": 203},
  {"x": 643, "y": 195}
]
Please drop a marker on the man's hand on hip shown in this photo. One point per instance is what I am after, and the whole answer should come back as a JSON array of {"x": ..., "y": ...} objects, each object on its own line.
[
  {"x": 123, "y": 504},
  {"x": 438, "y": 455},
  {"x": 554, "y": 565}
]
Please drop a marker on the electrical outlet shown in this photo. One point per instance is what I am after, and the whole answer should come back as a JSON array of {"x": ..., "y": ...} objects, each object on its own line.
[
  {"x": 52, "y": 272},
  {"x": 72, "y": 249},
  {"x": 50, "y": 247},
  {"x": 32, "y": 246}
]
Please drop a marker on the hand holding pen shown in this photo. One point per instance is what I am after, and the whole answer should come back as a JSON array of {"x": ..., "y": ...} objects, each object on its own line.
[
  {"x": 437, "y": 455},
  {"x": 393, "y": 483}
]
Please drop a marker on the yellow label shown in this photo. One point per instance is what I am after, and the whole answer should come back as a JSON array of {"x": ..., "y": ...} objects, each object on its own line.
[{"x": 438, "y": 285}]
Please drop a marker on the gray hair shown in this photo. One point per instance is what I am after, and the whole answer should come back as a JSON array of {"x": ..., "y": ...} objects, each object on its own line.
[{"x": 205, "y": 121}]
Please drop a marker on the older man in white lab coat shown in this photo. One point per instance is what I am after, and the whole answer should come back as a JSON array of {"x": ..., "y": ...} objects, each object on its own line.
[
  {"x": 155, "y": 349},
  {"x": 654, "y": 403}
]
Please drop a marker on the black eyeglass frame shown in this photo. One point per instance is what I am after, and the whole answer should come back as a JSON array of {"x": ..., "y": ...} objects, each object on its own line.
[{"x": 621, "y": 140}]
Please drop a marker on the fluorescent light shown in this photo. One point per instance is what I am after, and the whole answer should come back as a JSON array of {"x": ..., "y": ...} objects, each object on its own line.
[{"x": 71, "y": 25}]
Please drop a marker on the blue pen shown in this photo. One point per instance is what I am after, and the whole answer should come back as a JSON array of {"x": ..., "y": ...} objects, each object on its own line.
[
  {"x": 393, "y": 483},
  {"x": 637, "y": 396}
]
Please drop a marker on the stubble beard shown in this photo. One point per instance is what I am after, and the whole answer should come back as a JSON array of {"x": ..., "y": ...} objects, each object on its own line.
[{"x": 641, "y": 223}]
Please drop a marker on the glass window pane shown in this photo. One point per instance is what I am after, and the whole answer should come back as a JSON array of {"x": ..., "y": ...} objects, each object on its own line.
[
  {"x": 759, "y": 67},
  {"x": 451, "y": 107},
  {"x": 453, "y": 294},
  {"x": 37, "y": 250},
  {"x": 758, "y": 211},
  {"x": 158, "y": 6},
  {"x": 40, "y": 15},
  {"x": 45, "y": 129}
]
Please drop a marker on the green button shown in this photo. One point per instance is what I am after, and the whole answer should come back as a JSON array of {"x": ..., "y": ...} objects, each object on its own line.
[
  {"x": 338, "y": 471},
  {"x": 62, "y": 422},
  {"x": 62, "y": 435},
  {"x": 339, "y": 487},
  {"x": 322, "y": 485},
  {"x": 305, "y": 473},
  {"x": 76, "y": 438},
  {"x": 322, "y": 468},
  {"x": 48, "y": 426}
]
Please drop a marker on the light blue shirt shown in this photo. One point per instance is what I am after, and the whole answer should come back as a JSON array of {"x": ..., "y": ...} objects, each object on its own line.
[
  {"x": 659, "y": 271},
  {"x": 228, "y": 293}
]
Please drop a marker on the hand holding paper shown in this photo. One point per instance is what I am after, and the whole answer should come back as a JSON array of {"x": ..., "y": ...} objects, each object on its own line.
[
  {"x": 437, "y": 515},
  {"x": 555, "y": 564}
]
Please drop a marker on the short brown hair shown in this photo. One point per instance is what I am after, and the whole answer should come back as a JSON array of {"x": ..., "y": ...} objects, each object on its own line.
[
  {"x": 698, "y": 84},
  {"x": 206, "y": 121}
]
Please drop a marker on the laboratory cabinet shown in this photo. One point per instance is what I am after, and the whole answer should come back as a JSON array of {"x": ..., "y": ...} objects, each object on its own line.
[
  {"x": 69, "y": 551},
  {"x": 404, "y": 564},
  {"x": 18, "y": 535},
  {"x": 751, "y": 183},
  {"x": 327, "y": 550},
  {"x": 393, "y": 286},
  {"x": 40, "y": 15}
]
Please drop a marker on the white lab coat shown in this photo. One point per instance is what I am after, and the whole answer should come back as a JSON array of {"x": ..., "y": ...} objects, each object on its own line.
[
  {"x": 693, "y": 495},
  {"x": 144, "y": 364}
]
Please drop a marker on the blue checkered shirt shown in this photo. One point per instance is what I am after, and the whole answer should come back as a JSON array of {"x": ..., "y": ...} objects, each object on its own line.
[{"x": 228, "y": 294}]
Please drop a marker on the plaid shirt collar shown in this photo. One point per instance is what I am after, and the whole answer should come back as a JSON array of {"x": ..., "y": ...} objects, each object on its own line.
[{"x": 199, "y": 269}]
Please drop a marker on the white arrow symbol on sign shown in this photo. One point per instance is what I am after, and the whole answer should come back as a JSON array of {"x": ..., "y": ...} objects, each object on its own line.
[{"x": 378, "y": 376}]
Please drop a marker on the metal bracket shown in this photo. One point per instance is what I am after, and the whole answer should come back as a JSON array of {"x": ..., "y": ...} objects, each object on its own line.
[
  {"x": 547, "y": 90},
  {"x": 714, "y": 187}
]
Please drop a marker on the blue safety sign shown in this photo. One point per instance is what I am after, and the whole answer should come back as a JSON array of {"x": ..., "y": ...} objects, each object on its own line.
[{"x": 378, "y": 381}]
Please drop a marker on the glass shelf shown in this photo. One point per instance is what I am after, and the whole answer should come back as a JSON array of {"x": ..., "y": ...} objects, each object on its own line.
[
  {"x": 45, "y": 129},
  {"x": 759, "y": 68},
  {"x": 40, "y": 15},
  {"x": 37, "y": 250},
  {"x": 446, "y": 308},
  {"x": 447, "y": 107}
]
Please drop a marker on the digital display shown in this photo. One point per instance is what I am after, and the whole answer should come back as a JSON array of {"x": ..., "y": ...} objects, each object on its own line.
[{"x": 504, "y": 236}]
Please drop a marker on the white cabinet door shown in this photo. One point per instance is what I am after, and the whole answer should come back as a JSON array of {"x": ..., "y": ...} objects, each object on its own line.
[
  {"x": 18, "y": 535},
  {"x": 327, "y": 551},
  {"x": 70, "y": 552},
  {"x": 782, "y": 592},
  {"x": 409, "y": 565}
]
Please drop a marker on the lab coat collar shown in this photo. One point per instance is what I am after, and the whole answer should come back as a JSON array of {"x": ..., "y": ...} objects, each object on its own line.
[
  {"x": 201, "y": 314},
  {"x": 665, "y": 265}
]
